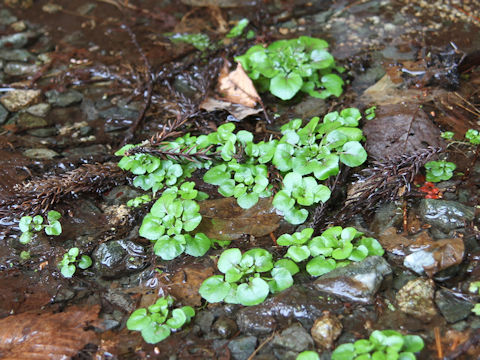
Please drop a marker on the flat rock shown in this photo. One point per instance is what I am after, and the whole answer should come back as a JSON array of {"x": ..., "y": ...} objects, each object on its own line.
[
  {"x": 20, "y": 69},
  {"x": 294, "y": 338},
  {"x": 63, "y": 99},
  {"x": 357, "y": 282},
  {"x": 242, "y": 347},
  {"x": 18, "y": 99},
  {"x": 452, "y": 307},
  {"x": 416, "y": 298},
  {"x": 41, "y": 154},
  {"x": 118, "y": 257},
  {"x": 39, "y": 110},
  {"x": 445, "y": 215},
  {"x": 27, "y": 121},
  {"x": 21, "y": 55}
]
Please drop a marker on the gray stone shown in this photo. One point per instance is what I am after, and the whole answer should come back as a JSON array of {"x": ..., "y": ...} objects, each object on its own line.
[
  {"x": 63, "y": 99},
  {"x": 357, "y": 282},
  {"x": 27, "y": 121},
  {"x": 453, "y": 308},
  {"x": 445, "y": 215},
  {"x": 40, "y": 110},
  {"x": 86, "y": 8},
  {"x": 204, "y": 320},
  {"x": 242, "y": 347},
  {"x": 416, "y": 298},
  {"x": 87, "y": 151},
  {"x": 6, "y": 17},
  {"x": 418, "y": 259},
  {"x": 15, "y": 55},
  {"x": 3, "y": 114},
  {"x": 42, "y": 132},
  {"x": 311, "y": 107},
  {"x": 121, "y": 194},
  {"x": 225, "y": 327},
  {"x": 294, "y": 338},
  {"x": 118, "y": 257},
  {"x": 41, "y": 154},
  {"x": 18, "y": 99},
  {"x": 14, "y": 41},
  {"x": 387, "y": 215}
]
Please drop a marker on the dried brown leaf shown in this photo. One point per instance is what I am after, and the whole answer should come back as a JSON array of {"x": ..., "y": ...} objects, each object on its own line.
[
  {"x": 223, "y": 219},
  {"x": 236, "y": 87},
  {"x": 237, "y": 110},
  {"x": 47, "y": 335}
]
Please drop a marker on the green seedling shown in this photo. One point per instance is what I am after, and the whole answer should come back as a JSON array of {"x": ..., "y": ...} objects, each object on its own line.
[
  {"x": 384, "y": 344},
  {"x": 139, "y": 200},
  {"x": 67, "y": 265},
  {"x": 157, "y": 322},
  {"x": 237, "y": 30},
  {"x": 475, "y": 288},
  {"x": 199, "y": 41},
  {"x": 286, "y": 67},
  {"x": 248, "y": 278},
  {"x": 29, "y": 225},
  {"x": 441, "y": 170}
]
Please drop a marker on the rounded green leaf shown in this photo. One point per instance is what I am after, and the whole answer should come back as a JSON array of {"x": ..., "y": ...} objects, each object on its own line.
[
  {"x": 282, "y": 279},
  {"x": 358, "y": 253},
  {"x": 373, "y": 246},
  {"x": 412, "y": 343},
  {"x": 296, "y": 216},
  {"x": 298, "y": 253},
  {"x": 24, "y": 223},
  {"x": 191, "y": 222},
  {"x": 319, "y": 266},
  {"x": 177, "y": 320},
  {"x": 68, "y": 270},
  {"x": 344, "y": 252},
  {"x": 244, "y": 137},
  {"x": 169, "y": 248},
  {"x": 379, "y": 355},
  {"x": 247, "y": 200},
  {"x": 344, "y": 352},
  {"x": 229, "y": 259},
  {"x": 152, "y": 228},
  {"x": 406, "y": 356},
  {"x": 55, "y": 228},
  {"x": 285, "y": 87},
  {"x": 217, "y": 175},
  {"x": 287, "y": 264},
  {"x": 333, "y": 84},
  {"x": 138, "y": 320},
  {"x": 189, "y": 312},
  {"x": 233, "y": 275},
  {"x": 214, "y": 289},
  {"x": 328, "y": 167},
  {"x": 253, "y": 293},
  {"x": 308, "y": 355},
  {"x": 26, "y": 237},
  {"x": 154, "y": 333},
  {"x": 198, "y": 245},
  {"x": 282, "y": 201},
  {"x": 282, "y": 158},
  {"x": 363, "y": 346},
  {"x": 227, "y": 188},
  {"x": 353, "y": 154},
  {"x": 85, "y": 262},
  {"x": 262, "y": 259}
]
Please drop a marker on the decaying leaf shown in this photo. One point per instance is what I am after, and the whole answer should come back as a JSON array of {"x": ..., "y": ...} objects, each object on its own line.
[
  {"x": 47, "y": 335},
  {"x": 223, "y": 219},
  {"x": 236, "y": 87},
  {"x": 239, "y": 111}
]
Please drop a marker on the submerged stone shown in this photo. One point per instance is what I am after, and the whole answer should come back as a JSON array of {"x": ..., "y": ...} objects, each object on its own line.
[
  {"x": 21, "y": 55},
  {"x": 20, "y": 69},
  {"x": 27, "y": 121},
  {"x": 453, "y": 308},
  {"x": 445, "y": 215},
  {"x": 225, "y": 327},
  {"x": 118, "y": 257},
  {"x": 63, "y": 99},
  {"x": 326, "y": 330},
  {"x": 39, "y": 110},
  {"x": 358, "y": 282},
  {"x": 416, "y": 299},
  {"x": 41, "y": 154},
  {"x": 242, "y": 347},
  {"x": 18, "y": 99},
  {"x": 3, "y": 114},
  {"x": 14, "y": 41}
]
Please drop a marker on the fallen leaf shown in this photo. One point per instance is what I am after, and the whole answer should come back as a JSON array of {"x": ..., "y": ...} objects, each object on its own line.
[
  {"x": 400, "y": 129},
  {"x": 223, "y": 219},
  {"x": 47, "y": 335},
  {"x": 239, "y": 111},
  {"x": 236, "y": 87},
  {"x": 393, "y": 242}
]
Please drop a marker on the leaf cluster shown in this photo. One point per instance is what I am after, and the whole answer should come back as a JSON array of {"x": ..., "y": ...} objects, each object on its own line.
[
  {"x": 139, "y": 200},
  {"x": 28, "y": 225},
  {"x": 441, "y": 170},
  {"x": 335, "y": 247},
  {"x": 286, "y": 67},
  {"x": 158, "y": 320},
  {"x": 248, "y": 278},
  {"x": 475, "y": 288},
  {"x": 382, "y": 345},
  {"x": 67, "y": 265}
]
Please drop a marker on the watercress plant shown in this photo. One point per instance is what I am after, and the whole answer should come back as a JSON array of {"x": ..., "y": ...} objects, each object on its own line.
[
  {"x": 67, "y": 265},
  {"x": 28, "y": 225},
  {"x": 158, "y": 321},
  {"x": 286, "y": 67},
  {"x": 441, "y": 170}
]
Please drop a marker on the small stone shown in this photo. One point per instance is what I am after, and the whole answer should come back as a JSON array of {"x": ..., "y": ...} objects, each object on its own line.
[
  {"x": 64, "y": 99},
  {"x": 453, "y": 308},
  {"x": 6, "y": 17},
  {"x": 417, "y": 260},
  {"x": 20, "y": 69},
  {"x": 118, "y": 257},
  {"x": 41, "y": 154},
  {"x": 18, "y": 99},
  {"x": 204, "y": 320},
  {"x": 310, "y": 107},
  {"x": 292, "y": 340},
  {"x": 358, "y": 281},
  {"x": 445, "y": 215},
  {"x": 3, "y": 114},
  {"x": 27, "y": 121},
  {"x": 15, "y": 55},
  {"x": 52, "y": 8},
  {"x": 416, "y": 298},
  {"x": 225, "y": 327},
  {"x": 14, "y": 41},
  {"x": 43, "y": 132},
  {"x": 86, "y": 9},
  {"x": 326, "y": 330},
  {"x": 40, "y": 110},
  {"x": 242, "y": 347},
  {"x": 18, "y": 26}
]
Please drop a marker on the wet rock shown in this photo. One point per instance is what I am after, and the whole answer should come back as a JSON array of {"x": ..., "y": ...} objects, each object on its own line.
[
  {"x": 225, "y": 327},
  {"x": 204, "y": 320},
  {"x": 27, "y": 121},
  {"x": 86, "y": 8},
  {"x": 387, "y": 215},
  {"x": 418, "y": 260},
  {"x": 416, "y": 299},
  {"x": 43, "y": 132},
  {"x": 121, "y": 194},
  {"x": 40, "y": 154},
  {"x": 445, "y": 215},
  {"x": 52, "y": 8},
  {"x": 63, "y": 99},
  {"x": 117, "y": 118},
  {"x": 40, "y": 110},
  {"x": 118, "y": 257},
  {"x": 242, "y": 347},
  {"x": 250, "y": 322},
  {"x": 6, "y": 17},
  {"x": 14, "y": 41},
  {"x": 20, "y": 69},
  {"x": 87, "y": 151},
  {"x": 453, "y": 308},
  {"x": 88, "y": 108},
  {"x": 18, "y": 99},
  {"x": 310, "y": 107},
  {"x": 292, "y": 341},
  {"x": 21, "y": 55},
  {"x": 356, "y": 282},
  {"x": 3, "y": 114},
  {"x": 326, "y": 330}
]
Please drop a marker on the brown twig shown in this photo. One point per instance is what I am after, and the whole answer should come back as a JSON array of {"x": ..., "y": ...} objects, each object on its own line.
[
  {"x": 264, "y": 342},
  {"x": 473, "y": 340},
  {"x": 438, "y": 342},
  {"x": 165, "y": 152}
]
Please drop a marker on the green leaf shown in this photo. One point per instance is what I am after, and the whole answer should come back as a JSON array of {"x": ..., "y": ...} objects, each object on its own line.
[
  {"x": 169, "y": 248},
  {"x": 319, "y": 266},
  {"x": 333, "y": 84},
  {"x": 353, "y": 154},
  {"x": 247, "y": 200},
  {"x": 308, "y": 355},
  {"x": 406, "y": 356},
  {"x": 189, "y": 312},
  {"x": 55, "y": 228},
  {"x": 351, "y": 116},
  {"x": 363, "y": 346},
  {"x": 282, "y": 159},
  {"x": 26, "y": 237},
  {"x": 229, "y": 258},
  {"x": 68, "y": 270},
  {"x": 412, "y": 343},
  {"x": 154, "y": 333},
  {"x": 253, "y": 293},
  {"x": 85, "y": 262},
  {"x": 24, "y": 223},
  {"x": 285, "y": 87},
  {"x": 344, "y": 352},
  {"x": 298, "y": 253},
  {"x": 38, "y": 220},
  {"x": 198, "y": 245},
  {"x": 138, "y": 320},
  {"x": 152, "y": 227},
  {"x": 287, "y": 264},
  {"x": 217, "y": 175},
  {"x": 244, "y": 137},
  {"x": 177, "y": 320},
  {"x": 282, "y": 201},
  {"x": 238, "y": 29},
  {"x": 214, "y": 289},
  {"x": 321, "y": 59},
  {"x": 233, "y": 275},
  {"x": 373, "y": 246},
  {"x": 296, "y": 216},
  {"x": 262, "y": 259},
  {"x": 359, "y": 253},
  {"x": 227, "y": 188},
  {"x": 282, "y": 279},
  {"x": 291, "y": 181},
  {"x": 344, "y": 252}
]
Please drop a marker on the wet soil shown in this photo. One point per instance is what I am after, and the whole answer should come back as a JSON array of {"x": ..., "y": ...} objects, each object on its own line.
[{"x": 107, "y": 74}]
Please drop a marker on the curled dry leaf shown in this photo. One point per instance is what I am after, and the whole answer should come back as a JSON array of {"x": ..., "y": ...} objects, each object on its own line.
[
  {"x": 236, "y": 87},
  {"x": 239, "y": 111},
  {"x": 47, "y": 336},
  {"x": 223, "y": 219}
]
